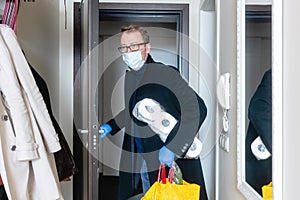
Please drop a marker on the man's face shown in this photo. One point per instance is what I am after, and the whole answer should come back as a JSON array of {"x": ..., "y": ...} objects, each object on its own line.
[{"x": 131, "y": 38}]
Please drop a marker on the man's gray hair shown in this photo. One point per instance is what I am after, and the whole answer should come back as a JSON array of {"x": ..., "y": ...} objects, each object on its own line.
[{"x": 135, "y": 28}]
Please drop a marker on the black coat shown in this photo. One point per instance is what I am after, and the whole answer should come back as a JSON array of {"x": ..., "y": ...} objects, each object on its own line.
[
  {"x": 165, "y": 85},
  {"x": 64, "y": 160},
  {"x": 259, "y": 172}
]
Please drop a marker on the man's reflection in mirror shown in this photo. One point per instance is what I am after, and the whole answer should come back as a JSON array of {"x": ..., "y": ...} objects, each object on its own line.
[{"x": 259, "y": 135}]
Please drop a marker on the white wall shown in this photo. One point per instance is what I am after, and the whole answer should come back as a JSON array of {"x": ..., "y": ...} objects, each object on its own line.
[
  {"x": 41, "y": 32},
  {"x": 207, "y": 84},
  {"x": 227, "y": 63},
  {"x": 291, "y": 99}
]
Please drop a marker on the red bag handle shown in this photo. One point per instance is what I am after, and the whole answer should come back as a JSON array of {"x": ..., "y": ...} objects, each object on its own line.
[
  {"x": 171, "y": 174},
  {"x": 161, "y": 177}
]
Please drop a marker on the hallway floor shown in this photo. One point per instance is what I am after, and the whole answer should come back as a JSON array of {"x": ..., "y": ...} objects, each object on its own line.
[{"x": 108, "y": 188}]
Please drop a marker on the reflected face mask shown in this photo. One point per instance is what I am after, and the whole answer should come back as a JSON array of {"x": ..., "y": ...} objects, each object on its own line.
[{"x": 134, "y": 60}]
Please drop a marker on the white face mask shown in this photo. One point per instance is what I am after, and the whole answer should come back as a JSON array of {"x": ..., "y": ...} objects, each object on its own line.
[{"x": 134, "y": 60}]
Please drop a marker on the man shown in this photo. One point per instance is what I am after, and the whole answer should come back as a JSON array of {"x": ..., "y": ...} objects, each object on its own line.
[
  {"x": 259, "y": 135},
  {"x": 162, "y": 116}
]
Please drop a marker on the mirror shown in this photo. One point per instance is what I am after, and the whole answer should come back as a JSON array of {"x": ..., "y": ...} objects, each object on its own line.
[
  {"x": 254, "y": 97},
  {"x": 258, "y": 97}
]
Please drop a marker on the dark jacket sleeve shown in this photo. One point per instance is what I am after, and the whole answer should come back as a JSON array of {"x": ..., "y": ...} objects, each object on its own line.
[
  {"x": 117, "y": 123},
  {"x": 193, "y": 114},
  {"x": 260, "y": 110},
  {"x": 202, "y": 110},
  {"x": 192, "y": 109}
]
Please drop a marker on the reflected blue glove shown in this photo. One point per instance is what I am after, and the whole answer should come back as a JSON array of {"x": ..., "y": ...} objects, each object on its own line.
[
  {"x": 166, "y": 157},
  {"x": 104, "y": 129}
]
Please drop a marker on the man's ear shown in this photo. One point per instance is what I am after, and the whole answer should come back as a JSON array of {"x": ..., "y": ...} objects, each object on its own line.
[{"x": 148, "y": 47}]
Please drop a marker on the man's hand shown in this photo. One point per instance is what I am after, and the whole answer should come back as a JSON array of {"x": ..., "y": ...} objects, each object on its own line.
[
  {"x": 166, "y": 157},
  {"x": 104, "y": 129}
]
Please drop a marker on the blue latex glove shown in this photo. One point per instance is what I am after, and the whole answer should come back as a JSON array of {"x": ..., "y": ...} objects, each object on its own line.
[
  {"x": 166, "y": 157},
  {"x": 104, "y": 129}
]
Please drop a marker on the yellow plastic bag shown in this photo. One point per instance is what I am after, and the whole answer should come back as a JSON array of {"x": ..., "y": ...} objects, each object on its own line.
[
  {"x": 170, "y": 191},
  {"x": 267, "y": 191}
]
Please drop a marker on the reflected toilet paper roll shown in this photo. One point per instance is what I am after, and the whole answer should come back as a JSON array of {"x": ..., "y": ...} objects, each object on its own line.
[{"x": 259, "y": 150}]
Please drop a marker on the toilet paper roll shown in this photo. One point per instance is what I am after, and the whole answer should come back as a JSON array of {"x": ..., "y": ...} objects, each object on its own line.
[
  {"x": 259, "y": 150},
  {"x": 164, "y": 123},
  {"x": 150, "y": 112},
  {"x": 147, "y": 110},
  {"x": 195, "y": 149}
]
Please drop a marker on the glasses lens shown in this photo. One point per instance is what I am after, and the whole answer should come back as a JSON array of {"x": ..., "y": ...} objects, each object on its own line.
[
  {"x": 123, "y": 49},
  {"x": 134, "y": 47}
]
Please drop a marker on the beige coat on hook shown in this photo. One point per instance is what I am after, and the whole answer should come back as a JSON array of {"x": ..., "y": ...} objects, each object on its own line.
[{"x": 27, "y": 136}]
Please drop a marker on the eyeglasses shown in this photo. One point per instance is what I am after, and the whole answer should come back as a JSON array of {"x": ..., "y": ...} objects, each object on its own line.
[{"x": 133, "y": 47}]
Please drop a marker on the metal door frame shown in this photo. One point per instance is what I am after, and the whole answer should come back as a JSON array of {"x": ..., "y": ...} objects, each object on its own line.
[{"x": 86, "y": 32}]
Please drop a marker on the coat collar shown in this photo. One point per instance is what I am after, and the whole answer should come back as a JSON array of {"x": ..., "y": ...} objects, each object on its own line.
[{"x": 149, "y": 59}]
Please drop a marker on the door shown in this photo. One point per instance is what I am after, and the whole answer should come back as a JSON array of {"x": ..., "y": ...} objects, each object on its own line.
[{"x": 85, "y": 81}]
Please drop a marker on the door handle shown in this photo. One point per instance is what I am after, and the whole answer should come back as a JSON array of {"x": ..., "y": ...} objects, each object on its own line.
[{"x": 82, "y": 131}]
